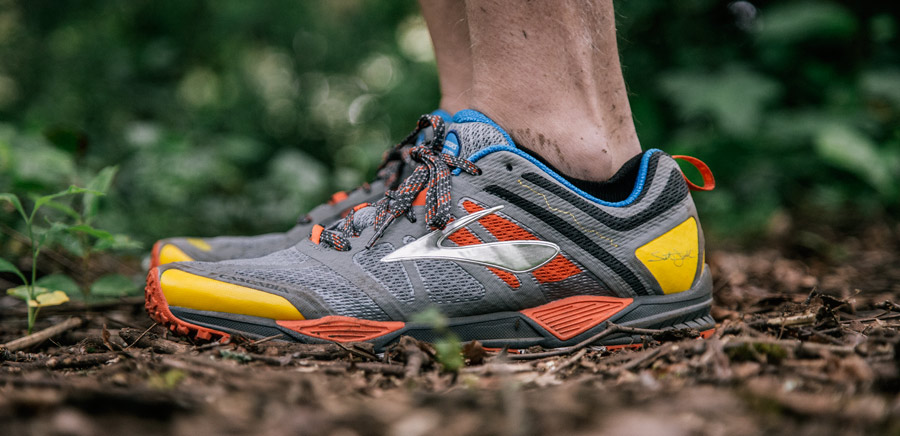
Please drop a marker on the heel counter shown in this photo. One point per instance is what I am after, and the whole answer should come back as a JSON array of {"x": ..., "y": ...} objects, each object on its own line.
[{"x": 676, "y": 257}]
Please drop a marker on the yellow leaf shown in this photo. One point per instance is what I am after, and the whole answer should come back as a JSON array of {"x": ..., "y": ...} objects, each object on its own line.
[{"x": 53, "y": 298}]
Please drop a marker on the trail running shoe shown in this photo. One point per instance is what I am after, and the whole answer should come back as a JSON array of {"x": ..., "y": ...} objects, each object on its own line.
[
  {"x": 512, "y": 253},
  {"x": 244, "y": 247}
]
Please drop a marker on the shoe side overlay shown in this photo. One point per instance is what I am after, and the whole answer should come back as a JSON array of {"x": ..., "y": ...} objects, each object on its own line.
[{"x": 559, "y": 323}]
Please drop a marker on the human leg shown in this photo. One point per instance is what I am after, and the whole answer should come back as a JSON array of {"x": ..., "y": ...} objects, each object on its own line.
[
  {"x": 449, "y": 29},
  {"x": 549, "y": 72}
]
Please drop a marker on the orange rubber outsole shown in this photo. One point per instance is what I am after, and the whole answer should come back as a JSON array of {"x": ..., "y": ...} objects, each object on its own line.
[
  {"x": 154, "y": 256},
  {"x": 158, "y": 309}
]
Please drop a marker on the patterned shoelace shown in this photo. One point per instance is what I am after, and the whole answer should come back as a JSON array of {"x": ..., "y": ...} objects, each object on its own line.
[
  {"x": 393, "y": 162},
  {"x": 433, "y": 173}
]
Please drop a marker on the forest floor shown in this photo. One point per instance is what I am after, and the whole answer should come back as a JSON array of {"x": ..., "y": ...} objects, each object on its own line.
[{"x": 807, "y": 343}]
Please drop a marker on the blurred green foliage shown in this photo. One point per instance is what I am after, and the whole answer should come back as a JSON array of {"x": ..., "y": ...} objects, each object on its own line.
[
  {"x": 232, "y": 117},
  {"x": 794, "y": 104}
]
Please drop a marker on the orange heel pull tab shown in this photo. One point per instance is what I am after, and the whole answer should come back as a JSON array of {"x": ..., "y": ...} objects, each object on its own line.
[
  {"x": 709, "y": 182},
  {"x": 316, "y": 234},
  {"x": 338, "y": 197}
]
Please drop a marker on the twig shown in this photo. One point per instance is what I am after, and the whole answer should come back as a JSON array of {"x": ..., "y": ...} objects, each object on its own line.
[
  {"x": 141, "y": 336},
  {"x": 41, "y": 336},
  {"x": 71, "y": 362},
  {"x": 207, "y": 346},
  {"x": 791, "y": 344},
  {"x": 264, "y": 340},
  {"x": 612, "y": 328},
  {"x": 640, "y": 359},
  {"x": 568, "y": 362},
  {"x": 789, "y": 321},
  {"x": 83, "y": 361},
  {"x": 822, "y": 335},
  {"x": 329, "y": 351},
  {"x": 357, "y": 352},
  {"x": 147, "y": 339},
  {"x": 882, "y": 317},
  {"x": 271, "y": 360}
]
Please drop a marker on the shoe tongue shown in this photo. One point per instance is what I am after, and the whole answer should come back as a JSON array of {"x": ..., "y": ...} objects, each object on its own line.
[{"x": 471, "y": 132}]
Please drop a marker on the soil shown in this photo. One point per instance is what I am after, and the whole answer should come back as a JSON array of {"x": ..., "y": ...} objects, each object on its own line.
[{"x": 806, "y": 343}]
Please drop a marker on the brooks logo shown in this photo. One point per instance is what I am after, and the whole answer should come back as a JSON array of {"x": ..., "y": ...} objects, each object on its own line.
[{"x": 512, "y": 256}]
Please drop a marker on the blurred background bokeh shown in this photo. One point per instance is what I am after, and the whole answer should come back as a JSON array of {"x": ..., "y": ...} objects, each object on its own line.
[{"x": 234, "y": 117}]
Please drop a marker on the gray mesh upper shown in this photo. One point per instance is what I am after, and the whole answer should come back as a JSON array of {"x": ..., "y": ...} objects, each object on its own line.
[
  {"x": 446, "y": 282},
  {"x": 476, "y": 136},
  {"x": 289, "y": 257},
  {"x": 391, "y": 276},
  {"x": 339, "y": 294}
]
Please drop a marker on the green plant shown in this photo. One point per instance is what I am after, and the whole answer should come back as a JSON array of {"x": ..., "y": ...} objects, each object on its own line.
[
  {"x": 37, "y": 296},
  {"x": 76, "y": 233},
  {"x": 83, "y": 240},
  {"x": 448, "y": 350}
]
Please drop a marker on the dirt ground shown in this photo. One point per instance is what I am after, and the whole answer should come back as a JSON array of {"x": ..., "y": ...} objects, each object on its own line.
[{"x": 806, "y": 344}]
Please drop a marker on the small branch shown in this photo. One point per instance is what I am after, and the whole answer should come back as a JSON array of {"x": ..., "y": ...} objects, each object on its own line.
[
  {"x": 353, "y": 350},
  {"x": 639, "y": 360},
  {"x": 67, "y": 362},
  {"x": 786, "y": 321},
  {"x": 264, "y": 340},
  {"x": 148, "y": 339},
  {"x": 789, "y": 321},
  {"x": 790, "y": 344},
  {"x": 41, "y": 336},
  {"x": 208, "y": 346},
  {"x": 568, "y": 362},
  {"x": 80, "y": 362},
  {"x": 139, "y": 337},
  {"x": 612, "y": 328}
]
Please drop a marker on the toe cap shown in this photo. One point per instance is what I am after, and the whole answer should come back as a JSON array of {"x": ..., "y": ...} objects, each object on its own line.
[{"x": 183, "y": 289}]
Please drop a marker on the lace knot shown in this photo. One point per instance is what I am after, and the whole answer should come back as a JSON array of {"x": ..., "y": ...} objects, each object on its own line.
[{"x": 433, "y": 174}]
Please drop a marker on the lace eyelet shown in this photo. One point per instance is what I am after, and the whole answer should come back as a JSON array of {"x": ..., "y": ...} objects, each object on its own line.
[{"x": 509, "y": 167}]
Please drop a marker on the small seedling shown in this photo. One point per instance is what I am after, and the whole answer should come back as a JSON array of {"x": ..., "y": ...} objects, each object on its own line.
[
  {"x": 37, "y": 296},
  {"x": 83, "y": 240},
  {"x": 448, "y": 351}
]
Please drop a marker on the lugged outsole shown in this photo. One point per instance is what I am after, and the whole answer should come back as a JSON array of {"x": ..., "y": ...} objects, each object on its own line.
[
  {"x": 560, "y": 323},
  {"x": 158, "y": 309},
  {"x": 154, "y": 256}
]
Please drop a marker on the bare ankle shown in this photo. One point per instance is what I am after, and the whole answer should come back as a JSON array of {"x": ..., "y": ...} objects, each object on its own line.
[{"x": 573, "y": 144}]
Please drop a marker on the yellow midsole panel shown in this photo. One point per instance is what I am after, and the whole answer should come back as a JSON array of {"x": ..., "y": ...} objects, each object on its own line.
[
  {"x": 191, "y": 291},
  {"x": 199, "y": 244},
  {"x": 170, "y": 253}
]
